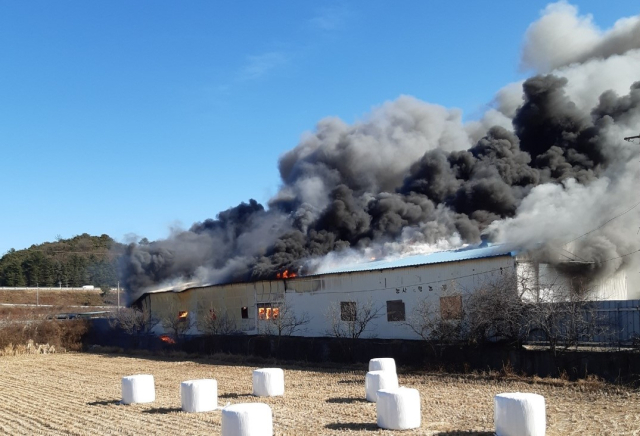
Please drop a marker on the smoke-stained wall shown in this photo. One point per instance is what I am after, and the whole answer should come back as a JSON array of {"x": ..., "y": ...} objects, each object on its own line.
[
  {"x": 318, "y": 299},
  {"x": 542, "y": 169}
]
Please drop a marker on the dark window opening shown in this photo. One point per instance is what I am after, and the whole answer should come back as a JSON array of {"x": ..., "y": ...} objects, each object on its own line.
[
  {"x": 395, "y": 310},
  {"x": 348, "y": 310},
  {"x": 245, "y": 312}
]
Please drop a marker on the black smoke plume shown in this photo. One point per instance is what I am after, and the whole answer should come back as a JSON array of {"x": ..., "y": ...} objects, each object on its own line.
[{"x": 389, "y": 181}]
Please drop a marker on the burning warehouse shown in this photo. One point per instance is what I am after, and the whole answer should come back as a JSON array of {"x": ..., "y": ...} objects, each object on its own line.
[
  {"x": 545, "y": 169},
  {"x": 393, "y": 289},
  {"x": 575, "y": 195}
]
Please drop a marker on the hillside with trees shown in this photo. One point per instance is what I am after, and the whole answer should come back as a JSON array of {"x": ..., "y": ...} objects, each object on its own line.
[{"x": 78, "y": 261}]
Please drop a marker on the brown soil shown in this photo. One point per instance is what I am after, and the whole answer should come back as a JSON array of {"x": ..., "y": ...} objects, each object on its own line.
[
  {"x": 56, "y": 298},
  {"x": 79, "y": 394}
]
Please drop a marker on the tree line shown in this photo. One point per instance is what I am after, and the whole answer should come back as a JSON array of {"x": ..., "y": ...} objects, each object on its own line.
[{"x": 78, "y": 261}]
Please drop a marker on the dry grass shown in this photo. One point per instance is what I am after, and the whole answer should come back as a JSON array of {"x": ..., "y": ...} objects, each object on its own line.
[
  {"x": 78, "y": 394},
  {"x": 62, "y": 335},
  {"x": 30, "y": 348}
]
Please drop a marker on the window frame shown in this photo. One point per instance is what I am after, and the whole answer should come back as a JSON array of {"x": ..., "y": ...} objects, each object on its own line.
[
  {"x": 396, "y": 314},
  {"x": 348, "y": 311}
]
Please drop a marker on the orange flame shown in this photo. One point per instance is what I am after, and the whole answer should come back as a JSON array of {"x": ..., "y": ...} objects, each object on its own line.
[
  {"x": 167, "y": 339},
  {"x": 286, "y": 275}
]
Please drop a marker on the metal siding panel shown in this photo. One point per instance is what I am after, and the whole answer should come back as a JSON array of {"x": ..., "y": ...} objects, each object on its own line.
[{"x": 621, "y": 328}]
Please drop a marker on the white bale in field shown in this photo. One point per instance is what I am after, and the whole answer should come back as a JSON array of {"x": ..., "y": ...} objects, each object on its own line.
[
  {"x": 247, "y": 419},
  {"x": 139, "y": 388},
  {"x": 376, "y": 380},
  {"x": 199, "y": 395},
  {"x": 519, "y": 414},
  {"x": 268, "y": 382},
  {"x": 398, "y": 409},
  {"x": 382, "y": 364}
]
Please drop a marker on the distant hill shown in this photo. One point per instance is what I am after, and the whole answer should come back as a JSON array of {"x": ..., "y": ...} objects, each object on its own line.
[{"x": 81, "y": 260}]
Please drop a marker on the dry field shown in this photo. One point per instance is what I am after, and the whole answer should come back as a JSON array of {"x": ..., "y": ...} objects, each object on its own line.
[
  {"x": 54, "y": 298},
  {"x": 78, "y": 394}
]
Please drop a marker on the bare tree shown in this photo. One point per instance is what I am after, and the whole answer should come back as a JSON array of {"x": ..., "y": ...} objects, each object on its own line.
[
  {"x": 495, "y": 311},
  {"x": 566, "y": 316},
  {"x": 128, "y": 319},
  {"x": 350, "y": 319},
  {"x": 133, "y": 321},
  {"x": 215, "y": 321},
  {"x": 175, "y": 320},
  {"x": 283, "y": 320},
  {"x": 427, "y": 321}
]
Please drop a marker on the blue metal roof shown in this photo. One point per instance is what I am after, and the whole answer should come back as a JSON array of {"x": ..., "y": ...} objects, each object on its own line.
[{"x": 466, "y": 253}]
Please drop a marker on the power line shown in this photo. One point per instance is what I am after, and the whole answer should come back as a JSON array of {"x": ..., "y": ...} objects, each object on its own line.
[
  {"x": 620, "y": 257},
  {"x": 572, "y": 254},
  {"x": 604, "y": 224}
]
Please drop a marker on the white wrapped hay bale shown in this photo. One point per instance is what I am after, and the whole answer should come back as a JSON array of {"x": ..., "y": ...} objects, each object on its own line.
[
  {"x": 376, "y": 380},
  {"x": 247, "y": 419},
  {"x": 398, "y": 409},
  {"x": 268, "y": 382},
  {"x": 519, "y": 414},
  {"x": 139, "y": 388},
  {"x": 382, "y": 364},
  {"x": 199, "y": 395}
]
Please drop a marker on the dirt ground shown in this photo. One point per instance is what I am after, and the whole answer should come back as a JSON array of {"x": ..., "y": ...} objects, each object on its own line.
[
  {"x": 55, "y": 298},
  {"x": 79, "y": 394}
]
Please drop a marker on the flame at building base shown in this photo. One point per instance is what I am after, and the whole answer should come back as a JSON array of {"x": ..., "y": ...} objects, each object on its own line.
[{"x": 167, "y": 339}]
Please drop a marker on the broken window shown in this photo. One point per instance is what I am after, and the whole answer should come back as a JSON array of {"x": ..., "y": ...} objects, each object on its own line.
[
  {"x": 245, "y": 312},
  {"x": 348, "y": 310},
  {"x": 395, "y": 310},
  {"x": 451, "y": 307},
  {"x": 264, "y": 310},
  {"x": 268, "y": 311}
]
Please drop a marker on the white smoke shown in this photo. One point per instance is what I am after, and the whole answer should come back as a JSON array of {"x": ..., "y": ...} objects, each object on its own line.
[
  {"x": 562, "y": 37},
  {"x": 389, "y": 251},
  {"x": 379, "y": 149},
  {"x": 594, "y": 61},
  {"x": 566, "y": 44}
]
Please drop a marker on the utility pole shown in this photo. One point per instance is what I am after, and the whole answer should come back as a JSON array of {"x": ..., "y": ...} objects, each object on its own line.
[
  {"x": 118, "y": 295},
  {"x": 630, "y": 139}
]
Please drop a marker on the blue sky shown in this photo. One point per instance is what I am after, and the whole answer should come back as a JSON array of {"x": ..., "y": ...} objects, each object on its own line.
[{"x": 134, "y": 117}]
